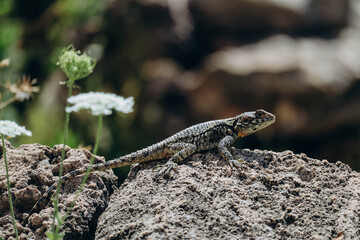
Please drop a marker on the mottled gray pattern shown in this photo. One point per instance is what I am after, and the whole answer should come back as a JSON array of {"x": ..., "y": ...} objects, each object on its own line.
[{"x": 204, "y": 136}]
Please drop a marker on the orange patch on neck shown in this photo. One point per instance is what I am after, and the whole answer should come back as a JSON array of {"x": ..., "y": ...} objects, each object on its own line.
[{"x": 242, "y": 134}]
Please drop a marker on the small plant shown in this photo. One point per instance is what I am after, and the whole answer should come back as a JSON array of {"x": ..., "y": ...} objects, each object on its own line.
[
  {"x": 76, "y": 66},
  {"x": 11, "y": 129},
  {"x": 99, "y": 104},
  {"x": 21, "y": 91}
]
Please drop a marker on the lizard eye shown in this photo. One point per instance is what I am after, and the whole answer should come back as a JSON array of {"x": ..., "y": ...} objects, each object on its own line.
[
  {"x": 259, "y": 114},
  {"x": 245, "y": 120}
]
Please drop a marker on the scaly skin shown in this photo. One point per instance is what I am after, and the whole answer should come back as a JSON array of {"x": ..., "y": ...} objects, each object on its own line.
[{"x": 201, "y": 137}]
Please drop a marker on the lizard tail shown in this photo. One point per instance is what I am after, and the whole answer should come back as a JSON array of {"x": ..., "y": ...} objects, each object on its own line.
[
  {"x": 53, "y": 187},
  {"x": 136, "y": 157}
]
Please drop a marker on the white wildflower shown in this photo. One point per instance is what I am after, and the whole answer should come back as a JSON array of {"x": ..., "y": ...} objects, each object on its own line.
[
  {"x": 11, "y": 129},
  {"x": 4, "y": 63},
  {"x": 24, "y": 89},
  {"x": 22, "y": 96},
  {"x": 100, "y": 103}
]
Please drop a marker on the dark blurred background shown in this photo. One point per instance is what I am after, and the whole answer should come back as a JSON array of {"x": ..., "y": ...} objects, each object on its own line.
[{"x": 189, "y": 61}]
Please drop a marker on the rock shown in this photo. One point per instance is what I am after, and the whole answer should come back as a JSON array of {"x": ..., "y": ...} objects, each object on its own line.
[
  {"x": 311, "y": 83},
  {"x": 322, "y": 64},
  {"x": 281, "y": 196},
  {"x": 271, "y": 15},
  {"x": 33, "y": 168}
]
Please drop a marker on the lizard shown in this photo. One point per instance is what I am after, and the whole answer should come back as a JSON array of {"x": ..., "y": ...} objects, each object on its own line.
[{"x": 197, "y": 138}]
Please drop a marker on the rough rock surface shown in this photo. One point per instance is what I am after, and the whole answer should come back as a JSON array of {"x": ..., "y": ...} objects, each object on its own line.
[
  {"x": 281, "y": 196},
  {"x": 33, "y": 168}
]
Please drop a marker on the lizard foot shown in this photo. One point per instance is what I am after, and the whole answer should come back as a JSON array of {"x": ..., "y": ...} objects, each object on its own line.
[
  {"x": 170, "y": 165},
  {"x": 239, "y": 164}
]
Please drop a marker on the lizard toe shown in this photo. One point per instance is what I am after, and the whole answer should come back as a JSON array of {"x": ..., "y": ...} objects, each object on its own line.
[
  {"x": 238, "y": 164},
  {"x": 170, "y": 165}
]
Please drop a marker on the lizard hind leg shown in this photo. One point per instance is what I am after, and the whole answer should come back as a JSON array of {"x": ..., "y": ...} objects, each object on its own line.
[{"x": 179, "y": 152}]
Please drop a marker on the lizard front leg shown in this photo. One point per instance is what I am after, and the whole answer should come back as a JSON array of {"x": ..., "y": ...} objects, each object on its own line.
[
  {"x": 180, "y": 151},
  {"x": 224, "y": 146}
]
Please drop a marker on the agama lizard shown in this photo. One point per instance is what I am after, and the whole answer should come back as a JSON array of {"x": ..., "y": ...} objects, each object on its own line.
[{"x": 201, "y": 137}]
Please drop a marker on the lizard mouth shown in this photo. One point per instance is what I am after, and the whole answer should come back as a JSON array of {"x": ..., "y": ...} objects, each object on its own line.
[{"x": 241, "y": 134}]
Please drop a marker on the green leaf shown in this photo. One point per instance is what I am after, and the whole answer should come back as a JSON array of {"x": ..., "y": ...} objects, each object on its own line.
[
  {"x": 59, "y": 218},
  {"x": 50, "y": 235},
  {"x": 54, "y": 235}
]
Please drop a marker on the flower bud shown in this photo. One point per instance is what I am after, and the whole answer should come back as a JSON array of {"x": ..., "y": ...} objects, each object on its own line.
[{"x": 74, "y": 64}]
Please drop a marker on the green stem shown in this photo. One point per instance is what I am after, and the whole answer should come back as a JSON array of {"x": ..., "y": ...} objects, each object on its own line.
[
  {"x": 8, "y": 188},
  {"x": 87, "y": 173},
  {"x": 7, "y": 102},
  {"x": 61, "y": 169}
]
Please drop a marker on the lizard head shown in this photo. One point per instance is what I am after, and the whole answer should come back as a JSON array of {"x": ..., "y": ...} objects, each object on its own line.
[{"x": 250, "y": 122}]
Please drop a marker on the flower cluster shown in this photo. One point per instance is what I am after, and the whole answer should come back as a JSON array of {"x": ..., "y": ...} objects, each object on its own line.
[
  {"x": 74, "y": 64},
  {"x": 11, "y": 129},
  {"x": 24, "y": 89},
  {"x": 4, "y": 63},
  {"x": 100, "y": 103}
]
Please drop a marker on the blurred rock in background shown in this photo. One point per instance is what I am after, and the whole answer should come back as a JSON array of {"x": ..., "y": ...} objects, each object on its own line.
[{"x": 196, "y": 60}]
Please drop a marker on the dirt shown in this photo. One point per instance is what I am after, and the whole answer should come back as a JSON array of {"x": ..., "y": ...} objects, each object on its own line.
[
  {"x": 280, "y": 196},
  {"x": 33, "y": 168}
]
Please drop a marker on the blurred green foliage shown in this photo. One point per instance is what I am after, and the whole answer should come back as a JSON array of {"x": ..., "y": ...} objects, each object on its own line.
[
  {"x": 5, "y": 7},
  {"x": 32, "y": 35}
]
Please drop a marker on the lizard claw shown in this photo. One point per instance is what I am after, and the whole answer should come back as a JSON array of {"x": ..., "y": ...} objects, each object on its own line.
[
  {"x": 170, "y": 165},
  {"x": 240, "y": 163}
]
